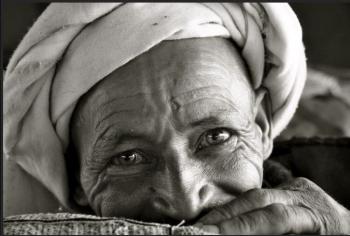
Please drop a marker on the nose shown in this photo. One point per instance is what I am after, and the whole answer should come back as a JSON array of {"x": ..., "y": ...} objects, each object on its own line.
[
  {"x": 182, "y": 203},
  {"x": 183, "y": 187}
]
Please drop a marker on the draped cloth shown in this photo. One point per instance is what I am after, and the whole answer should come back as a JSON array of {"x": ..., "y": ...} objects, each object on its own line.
[{"x": 72, "y": 46}]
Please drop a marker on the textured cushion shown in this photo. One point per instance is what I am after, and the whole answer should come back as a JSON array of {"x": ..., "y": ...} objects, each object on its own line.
[{"x": 73, "y": 224}]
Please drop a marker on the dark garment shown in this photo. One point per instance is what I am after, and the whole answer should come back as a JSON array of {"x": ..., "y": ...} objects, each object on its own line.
[{"x": 324, "y": 161}]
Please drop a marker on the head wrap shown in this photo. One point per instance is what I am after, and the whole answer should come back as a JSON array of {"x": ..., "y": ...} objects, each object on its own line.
[{"x": 72, "y": 46}]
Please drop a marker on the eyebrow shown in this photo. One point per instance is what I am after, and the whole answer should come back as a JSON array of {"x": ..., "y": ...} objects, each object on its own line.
[
  {"x": 222, "y": 119},
  {"x": 123, "y": 137},
  {"x": 119, "y": 138},
  {"x": 206, "y": 121},
  {"x": 113, "y": 144},
  {"x": 102, "y": 134}
]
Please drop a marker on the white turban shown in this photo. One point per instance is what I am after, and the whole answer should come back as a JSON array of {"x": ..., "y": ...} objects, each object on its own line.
[{"x": 72, "y": 46}]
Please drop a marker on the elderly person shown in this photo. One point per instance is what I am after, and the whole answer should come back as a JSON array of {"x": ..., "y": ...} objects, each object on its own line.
[{"x": 164, "y": 112}]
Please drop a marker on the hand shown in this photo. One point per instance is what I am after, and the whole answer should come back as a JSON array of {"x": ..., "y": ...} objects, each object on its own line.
[{"x": 296, "y": 207}]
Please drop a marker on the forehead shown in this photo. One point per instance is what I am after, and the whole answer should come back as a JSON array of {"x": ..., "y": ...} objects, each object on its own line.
[
  {"x": 177, "y": 67},
  {"x": 192, "y": 75}
]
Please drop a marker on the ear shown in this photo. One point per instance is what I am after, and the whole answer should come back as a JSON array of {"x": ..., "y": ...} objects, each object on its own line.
[{"x": 263, "y": 118}]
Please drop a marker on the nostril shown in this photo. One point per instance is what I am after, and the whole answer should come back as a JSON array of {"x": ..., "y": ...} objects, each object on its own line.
[
  {"x": 203, "y": 193},
  {"x": 152, "y": 190}
]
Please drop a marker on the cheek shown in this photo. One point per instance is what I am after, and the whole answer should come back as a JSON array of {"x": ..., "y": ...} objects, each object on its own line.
[
  {"x": 122, "y": 198},
  {"x": 245, "y": 174},
  {"x": 251, "y": 149},
  {"x": 238, "y": 174},
  {"x": 242, "y": 169}
]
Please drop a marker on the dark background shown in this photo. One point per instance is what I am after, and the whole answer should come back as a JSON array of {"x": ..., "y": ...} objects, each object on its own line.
[{"x": 326, "y": 30}]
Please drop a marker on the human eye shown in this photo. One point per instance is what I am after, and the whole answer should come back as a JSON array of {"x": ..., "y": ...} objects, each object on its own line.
[
  {"x": 129, "y": 163},
  {"x": 215, "y": 137},
  {"x": 128, "y": 158}
]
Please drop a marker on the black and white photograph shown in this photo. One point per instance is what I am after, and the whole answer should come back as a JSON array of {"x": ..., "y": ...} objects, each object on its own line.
[{"x": 175, "y": 118}]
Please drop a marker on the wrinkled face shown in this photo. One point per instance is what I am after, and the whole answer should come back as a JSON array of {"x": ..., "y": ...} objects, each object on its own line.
[{"x": 169, "y": 135}]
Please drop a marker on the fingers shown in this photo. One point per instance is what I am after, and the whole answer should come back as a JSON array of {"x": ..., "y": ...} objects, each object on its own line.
[
  {"x": 298, "y": 184},
  {"x": 248, "y": 201},
  {"x": 273, "y": 219},
  {"x": 299, "y": 206}
]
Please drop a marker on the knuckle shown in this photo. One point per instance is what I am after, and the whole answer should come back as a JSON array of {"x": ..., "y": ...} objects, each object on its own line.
[
  {"x": 261, "y": 196},
  {"x": 317, "y": 221},
  {"x": 278, "y": 210},
  {"x": 251, "y": 193},
  {"x": 279, "y": 215},
  {"x": 324, "y": 224},
  {"x": 307, "y": 186},
  {"x": 303, "y": 182},
  {"x": 329, "y": 224}
]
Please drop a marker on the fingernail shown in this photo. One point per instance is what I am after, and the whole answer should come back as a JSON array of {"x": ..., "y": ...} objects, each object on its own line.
[{"x": 211, "y": 229}]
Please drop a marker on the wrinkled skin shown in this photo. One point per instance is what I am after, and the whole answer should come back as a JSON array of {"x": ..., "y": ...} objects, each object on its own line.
[
  {"x": 174, "y": 134},
  {"x": 297, "y": 207}
]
